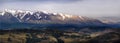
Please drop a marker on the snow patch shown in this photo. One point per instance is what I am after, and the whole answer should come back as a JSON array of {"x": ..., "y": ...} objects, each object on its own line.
[
  {"x": 81, "y": 17},
  {"x": 63, "y": 17},
  {"x": 69, "y": 16},
  {"x": 10, "y": 11}
]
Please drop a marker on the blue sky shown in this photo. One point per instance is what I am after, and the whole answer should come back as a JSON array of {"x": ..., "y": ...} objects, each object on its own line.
[{"x": 90, "y": 8}]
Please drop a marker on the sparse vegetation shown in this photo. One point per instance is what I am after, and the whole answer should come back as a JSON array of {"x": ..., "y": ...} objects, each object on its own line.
[{"x": 57, "y": 36}]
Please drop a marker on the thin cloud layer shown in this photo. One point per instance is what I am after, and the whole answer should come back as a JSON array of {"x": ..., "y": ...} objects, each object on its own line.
[
  {"x": 54, "y": 1},
  {"x": 77, "y": 7}
]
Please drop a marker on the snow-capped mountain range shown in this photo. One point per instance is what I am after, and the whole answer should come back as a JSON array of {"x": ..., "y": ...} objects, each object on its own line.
[
  {"x": 33, "y": 19},
  {"x": 39, "y": 17}
]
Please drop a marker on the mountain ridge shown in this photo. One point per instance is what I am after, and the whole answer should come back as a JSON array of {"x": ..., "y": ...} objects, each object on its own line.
[
  {"x": 38, "y": 19},
  {"x": 39, "y": 16}
]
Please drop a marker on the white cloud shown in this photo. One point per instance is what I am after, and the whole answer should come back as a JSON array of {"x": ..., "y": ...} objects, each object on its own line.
[{"x": 84, "y": 8}]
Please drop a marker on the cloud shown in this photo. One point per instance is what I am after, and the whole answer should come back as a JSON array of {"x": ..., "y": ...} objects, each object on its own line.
[
  {"x": 76, "y": 7},
  {"x": 54, "y": 1}
]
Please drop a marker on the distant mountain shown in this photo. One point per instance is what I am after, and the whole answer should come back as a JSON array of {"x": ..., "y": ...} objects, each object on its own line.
[
  {"x": 28, "y": 19},
  {"x": 43, "y": 17},
  {"x": 109, "y": 20}
]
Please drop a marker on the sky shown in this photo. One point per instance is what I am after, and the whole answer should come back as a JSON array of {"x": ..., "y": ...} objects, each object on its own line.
[{"x": 90, "y": 8}]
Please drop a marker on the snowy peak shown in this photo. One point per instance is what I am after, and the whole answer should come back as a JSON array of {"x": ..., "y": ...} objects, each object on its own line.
[
  {"x": 42, "y": 17},
  {"x": 37, "y": 13},
  {"x": 10, "y": 11}
]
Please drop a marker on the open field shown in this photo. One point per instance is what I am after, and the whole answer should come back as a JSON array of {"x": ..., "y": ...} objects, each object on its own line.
[{"x": 56, "y": 36}]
